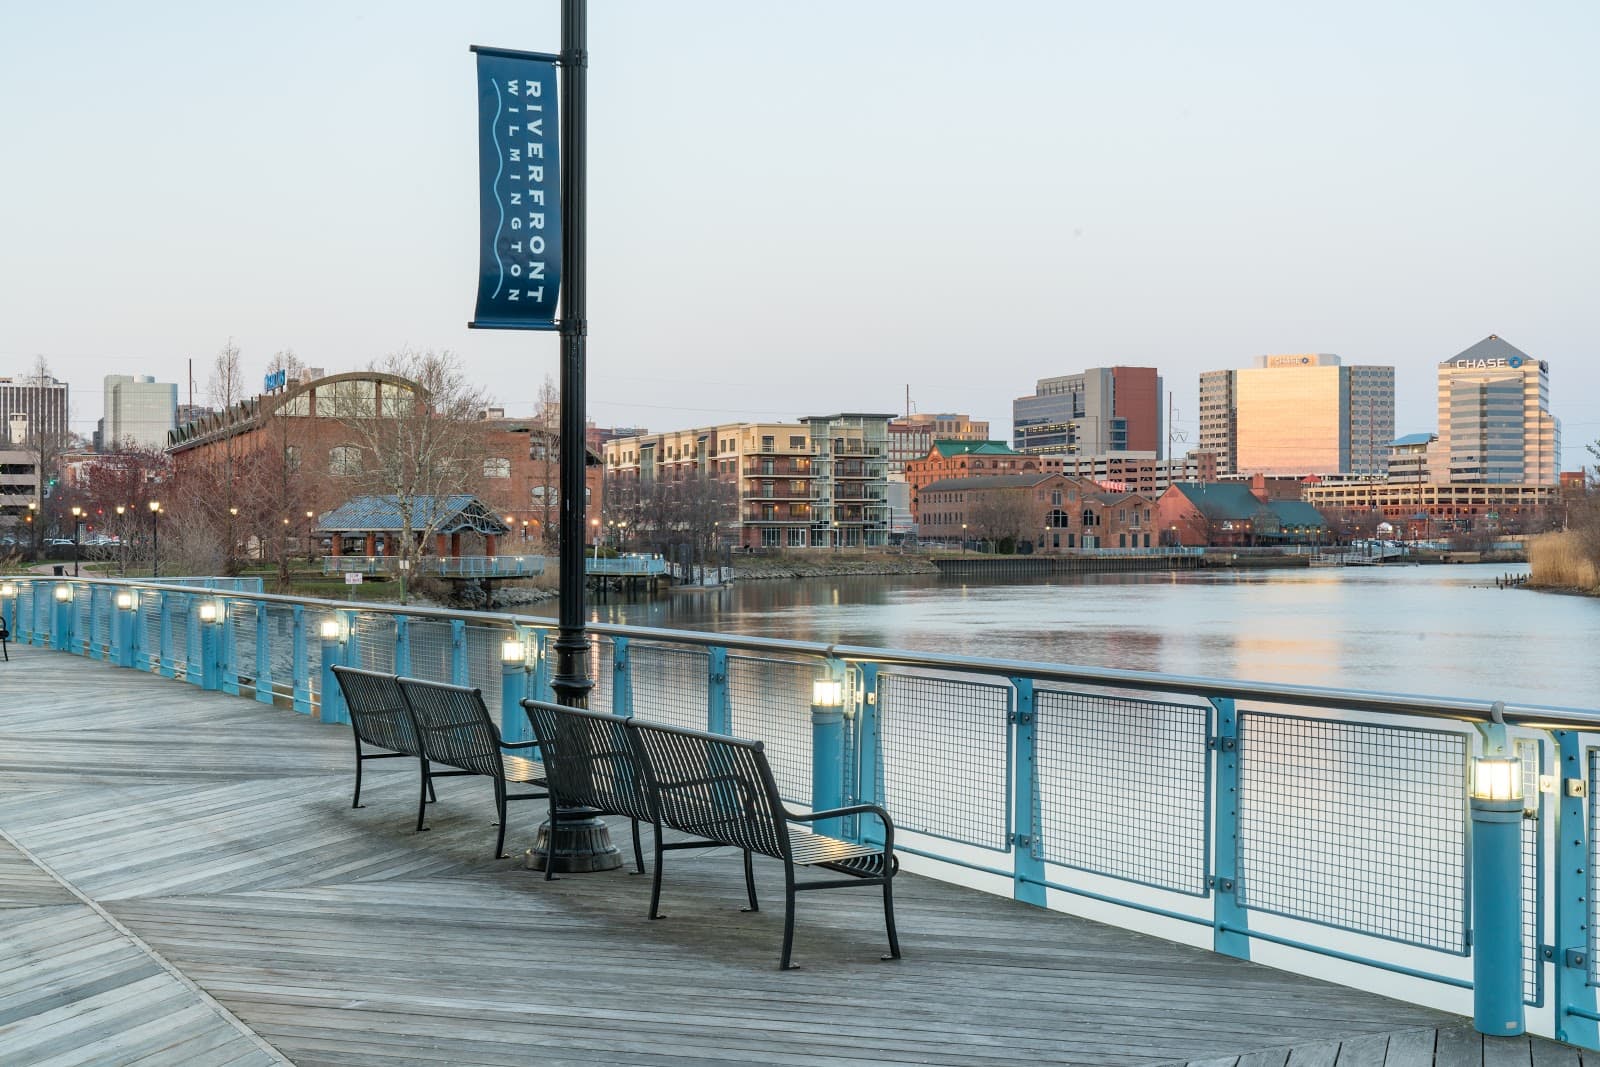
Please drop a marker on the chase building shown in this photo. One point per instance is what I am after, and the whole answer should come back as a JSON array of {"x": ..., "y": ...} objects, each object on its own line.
[{"x": 1495, "y": 426}]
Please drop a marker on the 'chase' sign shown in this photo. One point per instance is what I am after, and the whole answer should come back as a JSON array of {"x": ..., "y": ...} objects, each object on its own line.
[{"x": 519, "y": 191}]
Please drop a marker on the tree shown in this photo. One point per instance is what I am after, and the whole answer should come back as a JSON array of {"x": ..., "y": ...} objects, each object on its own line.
[
  {"x": 544, "y": 450},
  {"x": 999, "y": 515},
  {"x": 416, "y": 448}
]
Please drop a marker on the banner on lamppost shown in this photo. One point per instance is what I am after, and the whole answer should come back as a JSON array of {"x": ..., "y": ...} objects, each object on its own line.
[{"x": 519, "y": 191}]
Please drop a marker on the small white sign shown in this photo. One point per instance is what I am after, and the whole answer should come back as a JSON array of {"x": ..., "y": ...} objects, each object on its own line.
[{"x": 352, "y": 577}]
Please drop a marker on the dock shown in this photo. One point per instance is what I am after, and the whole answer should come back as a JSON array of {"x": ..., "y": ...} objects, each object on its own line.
[{"x": 183, "y": 881}]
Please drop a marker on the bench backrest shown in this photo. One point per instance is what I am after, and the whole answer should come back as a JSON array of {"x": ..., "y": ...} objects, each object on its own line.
[
  {"x": 714, "y": 786},
  {"x": 378, "y": 711},
  {"x": 591, "y": 759},
  {"x": 453, "y": 726}
]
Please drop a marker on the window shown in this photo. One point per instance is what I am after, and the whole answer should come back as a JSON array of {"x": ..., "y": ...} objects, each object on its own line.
[
  {"x": 768, "y": 444},
  {"x": 496, "y": 467},
  {"x": 291, "y": 458},
  {"x": 344, "y": 460},
  {"x": 1055, "y": 498},
  {"x": 797, "y": 442}
]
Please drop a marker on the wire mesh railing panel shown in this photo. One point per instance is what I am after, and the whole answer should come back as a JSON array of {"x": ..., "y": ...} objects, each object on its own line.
[
  {"x": 1124, "y": 788},
  {"x": 1594, "y": 858},
  {"x": 946, "y": 748},
  {"x": 280, "y": 647},
  {"x": 150, "y": 625},
  {"x": 603, "y": 669},
  {"x": 1530, "y": 754},
  {"x": 1355, "y": 826},
  {"x": 104, "y": 606},
  {"x": 770, "y": 701},
  {"x": 242, "y": 621},
  {"x": 669, "y": 684},
  {"x": 178, "y": 613},
  {"x": 483, "y": 657},
  {"x": 430, "y": 649},
  {"x": 374, "y": 636},
  {"x": 83, "y": 614}
]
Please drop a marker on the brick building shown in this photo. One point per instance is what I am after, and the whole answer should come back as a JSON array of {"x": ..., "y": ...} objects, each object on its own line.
[
  {"x": 972, "y": 459},
  {"x": 1051, "y": 512}
]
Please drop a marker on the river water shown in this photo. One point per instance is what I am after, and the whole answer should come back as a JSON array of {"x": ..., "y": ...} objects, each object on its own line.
[{"x": 1435, "y": 630}]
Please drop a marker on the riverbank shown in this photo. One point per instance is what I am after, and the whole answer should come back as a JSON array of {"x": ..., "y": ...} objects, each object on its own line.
[
  {"x": 772, "y": 568},
  {"x": 1563, "y": 563}
]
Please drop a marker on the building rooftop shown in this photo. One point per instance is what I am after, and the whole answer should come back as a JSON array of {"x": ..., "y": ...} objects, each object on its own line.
[{"x": 948, "y": 448}]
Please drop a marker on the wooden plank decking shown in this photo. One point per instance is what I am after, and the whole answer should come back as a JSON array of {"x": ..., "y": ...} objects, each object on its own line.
[{"x": 183, "y": 881}]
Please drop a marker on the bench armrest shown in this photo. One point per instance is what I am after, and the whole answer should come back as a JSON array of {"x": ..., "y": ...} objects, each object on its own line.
[
  {"x": 853, "y": 809},
  {"x": 518, "y": 744}
]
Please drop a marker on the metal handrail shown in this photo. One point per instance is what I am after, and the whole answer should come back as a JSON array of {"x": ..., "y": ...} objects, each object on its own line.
[{"x": 1514, "y": 713}]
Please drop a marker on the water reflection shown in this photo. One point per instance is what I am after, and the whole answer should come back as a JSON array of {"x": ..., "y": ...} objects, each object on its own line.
[{"x": 1437, "y": 630}]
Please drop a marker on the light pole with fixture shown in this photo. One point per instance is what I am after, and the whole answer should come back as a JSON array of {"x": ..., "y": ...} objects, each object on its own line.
[
  {"x": 77, "y": 536},
  {"x": 155, "y": 539}
]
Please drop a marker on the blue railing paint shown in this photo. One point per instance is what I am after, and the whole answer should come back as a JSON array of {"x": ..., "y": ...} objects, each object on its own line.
[
  {"x": 1574, "y": 998},
  {"x": 1026, "y": 853},
  {"x": 1230, "y": 917},
  {"x": 82, "y": 626}
]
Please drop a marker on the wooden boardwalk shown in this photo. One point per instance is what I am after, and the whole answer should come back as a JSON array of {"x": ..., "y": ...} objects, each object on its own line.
[{"x": 183, "y": 881}]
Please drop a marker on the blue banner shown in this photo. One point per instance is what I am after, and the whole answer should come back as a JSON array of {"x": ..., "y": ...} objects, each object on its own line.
[{"x": 519, "y": 191}]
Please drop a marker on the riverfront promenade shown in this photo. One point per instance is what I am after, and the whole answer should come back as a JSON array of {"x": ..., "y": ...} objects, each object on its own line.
[{"x": 183, "y": 881}]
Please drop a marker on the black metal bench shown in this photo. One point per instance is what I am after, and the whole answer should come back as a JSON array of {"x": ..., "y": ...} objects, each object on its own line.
[
  {"x": 379, "y": 719},
  {"x": 454, "y": 729},
  {"x": 589, "y": 762},
  {"x": 720, "y": 791}
]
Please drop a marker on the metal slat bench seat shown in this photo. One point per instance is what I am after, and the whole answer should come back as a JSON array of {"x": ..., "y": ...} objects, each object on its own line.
[
  {"x": 380, "y": 719},
  {"x": 590, "y": 764},
  {"x": 721, "y": 791},
  {"x": 454, "y": 729}
]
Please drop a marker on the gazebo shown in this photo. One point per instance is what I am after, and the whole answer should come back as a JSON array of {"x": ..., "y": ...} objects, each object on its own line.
[{"x": 371, "y": 518}]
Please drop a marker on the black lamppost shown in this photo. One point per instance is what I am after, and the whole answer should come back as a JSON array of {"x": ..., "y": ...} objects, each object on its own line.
[
  {"x": 122, "y": 541},
  {"x": 155, "y": 539},
  {"x": 77, "y": 527}
]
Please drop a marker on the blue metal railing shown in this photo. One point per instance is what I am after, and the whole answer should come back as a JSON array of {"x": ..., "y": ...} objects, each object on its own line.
[
  {"x": 446, "y": 566},
  {"x": 1333, "y": 822}
]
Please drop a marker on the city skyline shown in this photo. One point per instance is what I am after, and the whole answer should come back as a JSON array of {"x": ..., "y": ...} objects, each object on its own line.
[{"x": 1185, "y": 193}]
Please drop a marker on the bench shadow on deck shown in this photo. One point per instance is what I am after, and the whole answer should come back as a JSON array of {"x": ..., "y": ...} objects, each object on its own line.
[{"x": 182, "y": 879}]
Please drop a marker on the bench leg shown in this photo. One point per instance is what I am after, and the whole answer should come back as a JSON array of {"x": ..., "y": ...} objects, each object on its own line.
[
  {"x": 788, "y": 920},
  {"x": 888, "y": 919},
  {"x": 638, "y": 854},
  {"x": 422, "y": 799},
  {"x": 500, "y": 802},
  {"x": 655, "y": 881},
  {"x": 750, "y": 883},
  {"x": 355, "y": 802}
]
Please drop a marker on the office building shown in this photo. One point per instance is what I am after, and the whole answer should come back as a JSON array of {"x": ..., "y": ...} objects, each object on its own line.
[
  {"x": 1099, "y": 411},
  {"x": 1495, "y": 426},
  {"x": 139, "y": 412},
  {"x": 1298, "y": 414},
  {"x": 36, "y": 404},
  {"x": 911, "y": 437}
]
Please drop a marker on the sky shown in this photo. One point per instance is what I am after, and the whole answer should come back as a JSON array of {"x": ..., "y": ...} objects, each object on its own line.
[{"x": 801, "y": 208}]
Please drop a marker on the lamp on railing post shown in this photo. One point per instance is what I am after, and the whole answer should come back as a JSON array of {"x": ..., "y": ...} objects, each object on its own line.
[
  {"x": 331, "y": 631},
  {"x": 8, "y": 606},
  {"x": 514, "y": 725},
  {"x": 128, "y": 624},
  {"x": 1497, "y": 949},
  {"x": 827, "y": 751},
  {"x": 211, "y": 615},
  {"x": 61, "y": 636},
  {"x": 155, "y": 539}
]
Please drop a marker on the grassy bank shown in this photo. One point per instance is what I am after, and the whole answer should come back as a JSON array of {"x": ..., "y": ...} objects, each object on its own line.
[{"x": 1560, "y": 561}]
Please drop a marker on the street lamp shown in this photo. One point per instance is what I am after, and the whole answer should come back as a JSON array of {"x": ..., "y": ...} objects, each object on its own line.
[
  {"x": 33, "y": 526},
  {"x": 963, "y": 539},
  {"x": 155, "y": 539},
  {"x": 594, "y": 535},
  {"x": 122, "y": 541},
  {"x": 77, "y": 526},
  {"x": 836, "y": 535},
  {"x": 227, "y": 563}
]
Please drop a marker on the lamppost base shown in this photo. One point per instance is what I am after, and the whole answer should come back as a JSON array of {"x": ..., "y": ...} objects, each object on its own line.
[{"x": 582, "y": 846}]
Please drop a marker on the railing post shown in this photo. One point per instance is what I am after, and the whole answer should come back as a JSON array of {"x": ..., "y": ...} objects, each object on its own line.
[
  {"x": 541, "y": 668},
  {"x": 128, "y": 631},
  {"x": 61, "y": 630},
  {"x": 194, "y": 645},
  {"x": 8, "y": 612},
  {"x": 1230, "y": 923},
  {"x": 301, "y": 663},
  {"x": 350, "y": 654},
  {"x": 719, "y": 713},
  {"x": 331, "y": 708},
  {"x": 867, "y": 771},
  {"x": 212, "y": 652},
  {"x": 1574, "y": 1000},
  {"x": 1027, "y": 880},
  {"x": 514, "y": 725},
  {"x": 827, "y": 745},
  {"x": 1497, "y": 910},
  {"x": 402, "y": 645},
  {"x": 621, "y": 678},
  {"x": 263, "y": 654},
  {"x": 228, "y": 635},
  {"x": 459, "y": 672}
]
